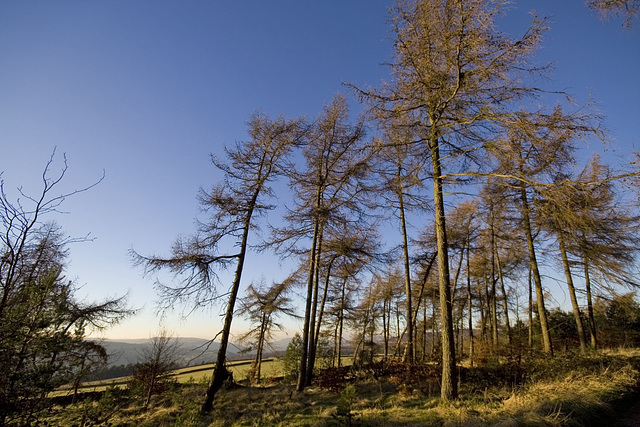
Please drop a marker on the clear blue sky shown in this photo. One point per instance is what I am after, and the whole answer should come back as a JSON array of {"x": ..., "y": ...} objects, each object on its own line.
[{"x": 147, "y": 89}]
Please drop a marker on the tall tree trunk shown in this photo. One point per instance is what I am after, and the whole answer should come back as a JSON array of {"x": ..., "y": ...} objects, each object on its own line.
[
  {"x": 572, "y": 294},
  {"x": 492, "y": 298},
  {"x": 592, "y": 321},
  {"x": 434, "y": 336},
  {"x": 220, "y": 373},
  {"x": 530, "y": 312},
  {"x": 485, "y": 311},
  {"x": 424, "y": 332},
  {"x": 341, "y": 321},
  {"x": 533, "y": 264},
  {"x": 302, "y": 374},
  {"x": 316, "y": 336},
  {"x": 311, "y": 358},
  {"x": 409, "y": 349},
  {"x": 449, "y": 386},
  {"x": 385, "y": 332},
  {"x": 470, "y": 324},
  {"x": 505, "y": 302},
  {"x": 334, "y": 357}
]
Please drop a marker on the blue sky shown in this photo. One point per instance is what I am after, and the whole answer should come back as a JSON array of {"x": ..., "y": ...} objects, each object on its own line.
[{"x": 147, "y": 90}]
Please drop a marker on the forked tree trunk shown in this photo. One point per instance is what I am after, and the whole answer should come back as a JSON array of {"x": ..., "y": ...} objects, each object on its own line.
[
  {"x": 302, "y": 373},
  {"x": 259, "y": 350},
  {"x": 311, "y": 357}
]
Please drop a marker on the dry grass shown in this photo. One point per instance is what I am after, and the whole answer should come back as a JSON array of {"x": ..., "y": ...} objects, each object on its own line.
[
  {"x": 559, "y": 392},
  {"x": 583, "y": 396}
]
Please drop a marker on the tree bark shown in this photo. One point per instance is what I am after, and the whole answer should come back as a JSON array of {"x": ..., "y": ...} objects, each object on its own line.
[
  {"x": 220, "y": 373},
  {"x": 533, "y": 264},
  {"x": 311, "y": 357},
  {"x": 302, "y": 374},
  {"x": 505, "y": 301},
  {"x": 449, "y": 386},
  {"x": 572, "y": 294},
  {"x": 592, "y": 321},
  {"x": 409, "y": 350}
]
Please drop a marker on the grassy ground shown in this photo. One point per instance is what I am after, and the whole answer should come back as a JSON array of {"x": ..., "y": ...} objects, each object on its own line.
[
  {"x": 271, "y": 368},
  {"x": 566, "y": 390}
]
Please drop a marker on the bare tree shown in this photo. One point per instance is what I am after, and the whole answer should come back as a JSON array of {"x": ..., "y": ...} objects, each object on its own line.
[
  {"x": 327, "y": 194},
  {"x": 234, "y": 206},
  {"x": 536, "y": 148},
  {"x": 594, "y": 231},
  {"x": 401, "y": 180},
  {"x": 156, "y": 361},
  {"x": 262, "y": 305},
  {"x": 43, "y": 325}
]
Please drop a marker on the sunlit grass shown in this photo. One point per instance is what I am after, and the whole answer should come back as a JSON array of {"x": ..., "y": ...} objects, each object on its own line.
[
  {"x": 271, "y": 368},
  {"x": 558, "y": 391}
]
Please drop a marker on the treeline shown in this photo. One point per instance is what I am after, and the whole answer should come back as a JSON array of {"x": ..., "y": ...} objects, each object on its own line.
[{"x": 115, "y": 371}]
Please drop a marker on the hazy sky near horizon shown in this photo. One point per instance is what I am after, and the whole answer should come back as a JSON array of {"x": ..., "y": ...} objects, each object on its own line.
[{"x": 147, "y": 90}]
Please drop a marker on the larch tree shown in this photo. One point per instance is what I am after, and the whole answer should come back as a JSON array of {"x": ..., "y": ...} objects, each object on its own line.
[
  {"x": 327, "y": 192},
  {"x": 233, "y": 206},
  {"x": 506, "y": 255},
  {"x": 453, "y": 74},
  {"x": 557, "y": 217},
  {"x": 599, "y": 231},
  {"x": 399, "y": 190},
  {"x": 537, "y": 148},
  {"x": 346, "y": 252},
  {"x": 262, "y": 305},
  {"x": 628, "y": 9},
  {"x": 153, "y": 373}
]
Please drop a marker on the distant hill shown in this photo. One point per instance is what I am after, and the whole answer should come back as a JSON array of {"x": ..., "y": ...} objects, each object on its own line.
[{"x": 191, "y": 351}]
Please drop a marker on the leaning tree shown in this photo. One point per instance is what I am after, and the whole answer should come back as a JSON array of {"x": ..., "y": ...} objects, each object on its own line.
[{"x": 233, "y": 205}]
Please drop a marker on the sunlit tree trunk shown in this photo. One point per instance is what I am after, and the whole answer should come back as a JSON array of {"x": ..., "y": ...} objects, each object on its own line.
[
  {"x": 505, "y": 301},
  {"x": 533, "y": 265},
  {"x": 313, "y": 339},
  {"x": 493, "y": 307},
  {"x": 530, "y": 311},
  {"x": 302, "y": 374},
  {"x": 592, "y": 321},
  {"x": 409, "y": 350},
  {"x": 449, "y": 385},
  {"x": 572, "y": 294},
  {"x": 220, "y": 372}
]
